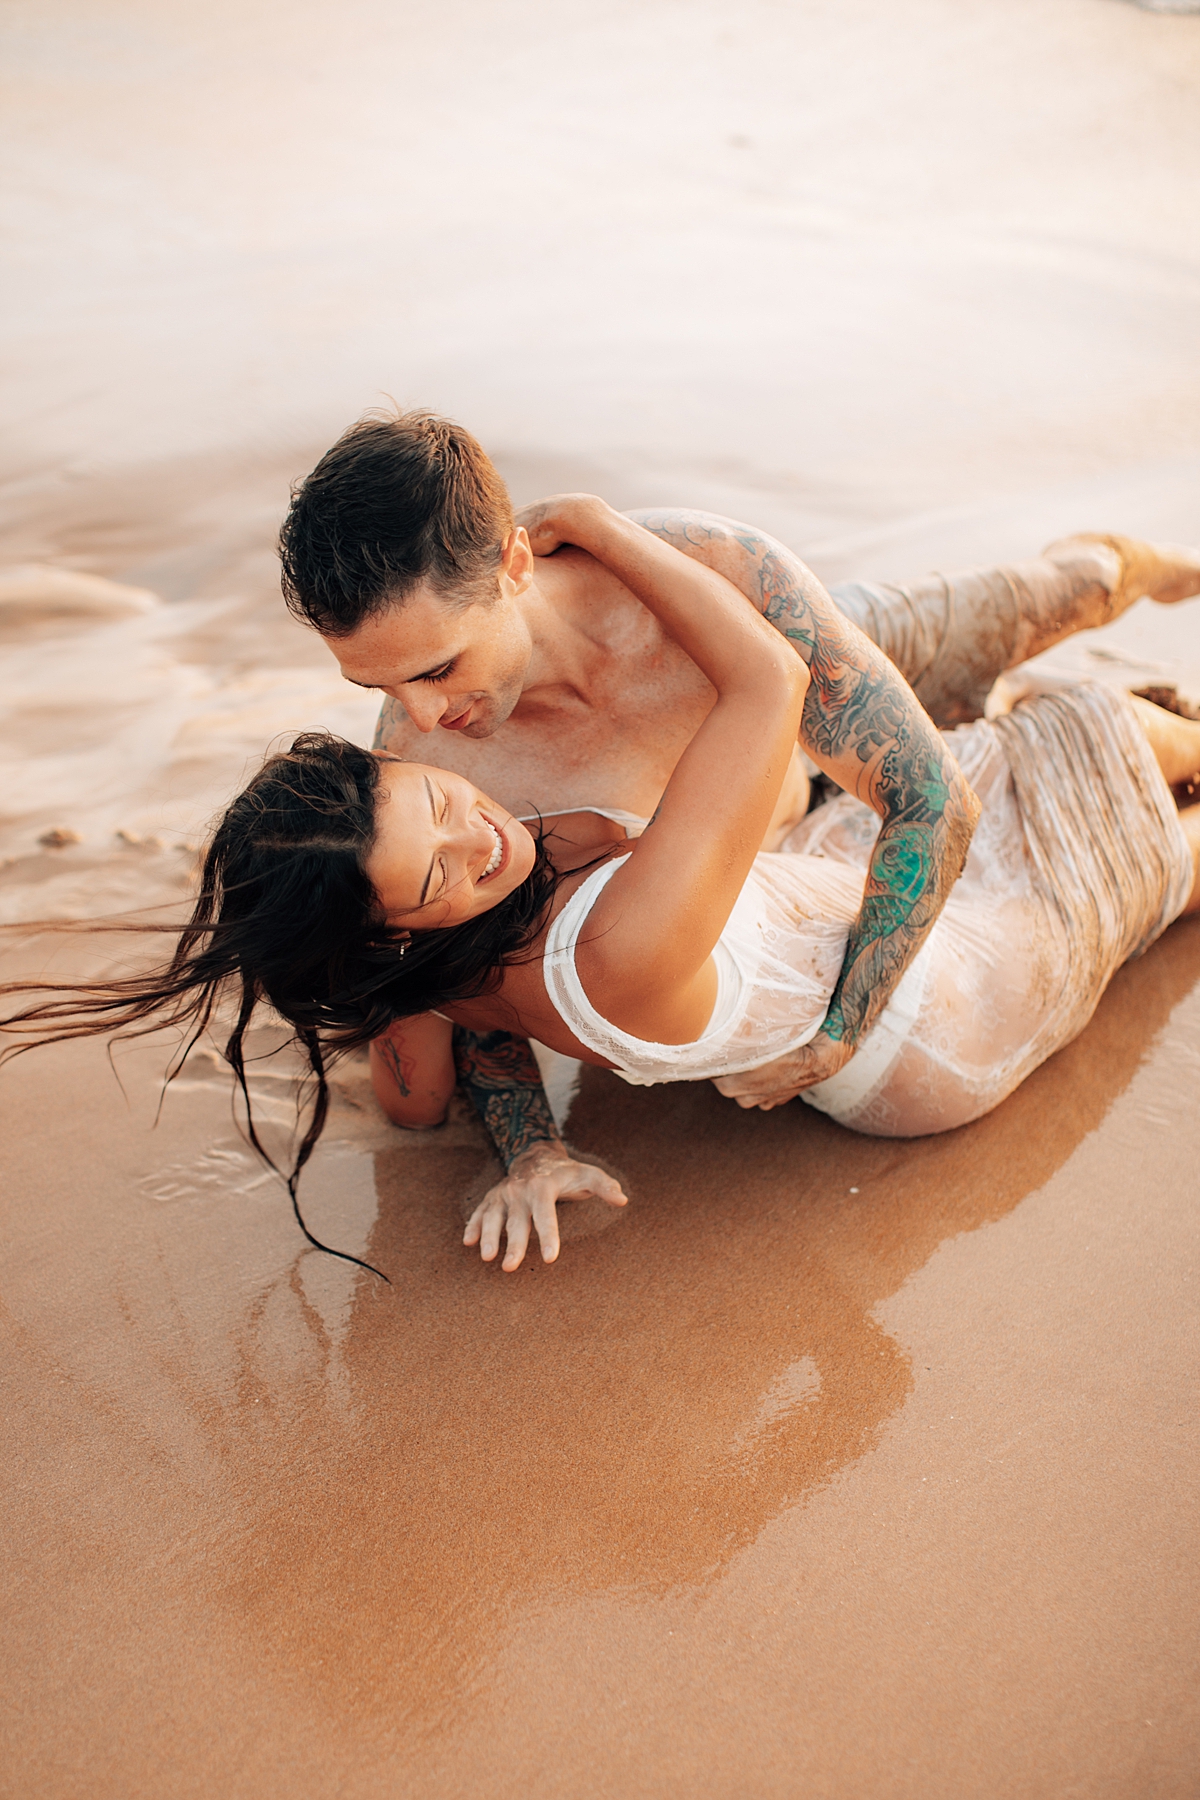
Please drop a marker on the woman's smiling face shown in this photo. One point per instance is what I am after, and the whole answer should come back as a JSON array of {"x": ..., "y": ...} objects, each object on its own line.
[{"x": 443, "y": 852}]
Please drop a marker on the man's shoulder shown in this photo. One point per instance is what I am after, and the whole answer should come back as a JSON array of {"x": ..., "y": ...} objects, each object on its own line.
[
  {"x": 394, "y": 729},
  {"x": 695, "y": 528},
  {"x": 396, "y": 733}
]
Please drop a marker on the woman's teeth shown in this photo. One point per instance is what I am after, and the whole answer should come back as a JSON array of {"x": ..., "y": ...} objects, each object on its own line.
[{"x": 493, "y": 862}]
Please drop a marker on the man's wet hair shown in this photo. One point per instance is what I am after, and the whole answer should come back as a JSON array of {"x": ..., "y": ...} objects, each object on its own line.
[{"x": 399, "y": 501}]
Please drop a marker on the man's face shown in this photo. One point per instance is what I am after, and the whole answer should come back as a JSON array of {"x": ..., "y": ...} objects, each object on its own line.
[{"x": 460, "y": 668}]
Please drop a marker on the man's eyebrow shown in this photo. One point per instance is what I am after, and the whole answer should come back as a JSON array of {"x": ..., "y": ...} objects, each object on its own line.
[{"x": 433, "y": 813}]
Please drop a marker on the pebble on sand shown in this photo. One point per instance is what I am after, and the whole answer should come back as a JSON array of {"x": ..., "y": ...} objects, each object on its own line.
[{"x": 58, "y": 837}]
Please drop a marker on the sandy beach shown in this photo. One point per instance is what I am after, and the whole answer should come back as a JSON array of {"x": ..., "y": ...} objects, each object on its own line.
[{"x": 833, "y": 1466}]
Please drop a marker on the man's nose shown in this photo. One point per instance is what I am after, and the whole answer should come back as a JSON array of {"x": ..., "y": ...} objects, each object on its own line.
[{"x": 424, "y": 708}]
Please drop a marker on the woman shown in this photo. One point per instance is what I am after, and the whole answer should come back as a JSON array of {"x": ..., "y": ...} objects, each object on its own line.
[{"x": 351, "y": 891}]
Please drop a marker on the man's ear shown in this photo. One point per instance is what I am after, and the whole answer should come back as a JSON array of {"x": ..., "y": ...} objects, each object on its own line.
[{"x": 516, "y": 560}]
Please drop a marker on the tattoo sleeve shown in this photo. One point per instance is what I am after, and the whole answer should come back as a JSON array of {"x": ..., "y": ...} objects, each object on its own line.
[
  {"x": 864, "y": 726},
  {"x": 500, "y": 1074},
  {"x": 391, "y": 716}
]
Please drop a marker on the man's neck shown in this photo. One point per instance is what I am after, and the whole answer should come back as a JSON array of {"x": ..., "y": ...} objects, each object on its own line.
[{"x": 569, "y": 607}]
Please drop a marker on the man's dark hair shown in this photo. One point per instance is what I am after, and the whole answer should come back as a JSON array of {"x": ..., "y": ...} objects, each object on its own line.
[{"x": 396, "y": 502}]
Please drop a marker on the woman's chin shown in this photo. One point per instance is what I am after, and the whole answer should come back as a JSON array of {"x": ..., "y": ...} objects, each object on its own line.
[
  {"x": 518, "y": 855},
  {"x": 488, "y": 896}
]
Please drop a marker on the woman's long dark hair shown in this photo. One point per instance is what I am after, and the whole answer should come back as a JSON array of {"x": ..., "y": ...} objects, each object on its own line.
[{"x": 286, "y": 916}]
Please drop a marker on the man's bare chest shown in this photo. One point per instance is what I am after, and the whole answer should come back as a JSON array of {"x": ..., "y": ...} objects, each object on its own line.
[{"x": 616, "y": 751}]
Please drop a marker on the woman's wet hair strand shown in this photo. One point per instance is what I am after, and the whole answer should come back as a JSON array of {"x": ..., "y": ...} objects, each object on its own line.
[{"x": 286, "y": 917}]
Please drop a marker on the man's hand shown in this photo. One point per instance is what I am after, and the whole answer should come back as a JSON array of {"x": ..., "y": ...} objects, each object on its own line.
[
  {"x": 528, "y": 1197},
  {"x": 777, "y": 1082}
]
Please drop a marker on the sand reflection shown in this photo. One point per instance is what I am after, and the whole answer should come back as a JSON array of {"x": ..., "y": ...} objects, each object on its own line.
[{"x": 631, "y": 1419}]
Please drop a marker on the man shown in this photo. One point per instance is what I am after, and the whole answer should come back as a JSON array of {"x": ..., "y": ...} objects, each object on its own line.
[{"x": 539, "y": 676}]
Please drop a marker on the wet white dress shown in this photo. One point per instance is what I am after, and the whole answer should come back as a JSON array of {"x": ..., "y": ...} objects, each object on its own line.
[{"x": 1078, "y": 863}]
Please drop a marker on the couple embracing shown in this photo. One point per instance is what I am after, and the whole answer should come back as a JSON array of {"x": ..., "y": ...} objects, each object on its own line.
[{"x": 586, "y": 820}]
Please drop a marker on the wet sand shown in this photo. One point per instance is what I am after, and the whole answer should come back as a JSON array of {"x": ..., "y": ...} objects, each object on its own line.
[{"x": 832, "y": 1466}]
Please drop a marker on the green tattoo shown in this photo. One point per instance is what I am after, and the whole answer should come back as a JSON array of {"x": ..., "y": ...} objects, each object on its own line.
[
  {"x": 860, "y": 711},
  {"x": 500, "y": 1074}
]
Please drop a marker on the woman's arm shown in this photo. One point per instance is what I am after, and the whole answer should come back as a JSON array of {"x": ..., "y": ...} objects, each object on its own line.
[
  {"x": 863, "y": 725},
  {"x": 645, "y": 959},
  {"x": 412, "y": 1071}
]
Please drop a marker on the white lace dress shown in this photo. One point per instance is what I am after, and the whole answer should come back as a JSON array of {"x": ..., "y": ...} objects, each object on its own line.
[{"x": 1077, "y": 864}]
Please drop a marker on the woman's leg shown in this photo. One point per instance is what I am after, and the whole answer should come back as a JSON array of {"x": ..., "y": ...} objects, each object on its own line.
[
  {"x": 951, "y": 636},
  {"x": 1174, "y": 741},
  {"x": 1176, "y": 746},
  {"x": 1189, "y": 818}
]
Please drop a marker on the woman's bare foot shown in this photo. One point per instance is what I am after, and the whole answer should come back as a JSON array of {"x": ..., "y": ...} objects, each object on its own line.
[{"x": 1167, "y": 573}]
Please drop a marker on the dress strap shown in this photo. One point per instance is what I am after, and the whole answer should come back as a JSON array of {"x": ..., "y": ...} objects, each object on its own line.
[{"x": 615, "y": 813}]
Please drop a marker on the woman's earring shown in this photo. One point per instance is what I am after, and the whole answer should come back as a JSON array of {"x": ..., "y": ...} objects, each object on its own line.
[{"x": 404, "y": 940}]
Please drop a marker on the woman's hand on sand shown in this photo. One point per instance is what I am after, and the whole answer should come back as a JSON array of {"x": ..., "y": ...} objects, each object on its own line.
[
  {"x": 527, "y": 1199},
  {"x": 561, "y": 519},
  {"x": 780, "y": 1081}
]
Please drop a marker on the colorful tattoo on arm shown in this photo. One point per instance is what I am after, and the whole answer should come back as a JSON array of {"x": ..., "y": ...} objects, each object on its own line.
[
  {"x": 859, "y": 708},
  {"x": 500, "y": 1074},
  {"x": 863, "y": 724}
]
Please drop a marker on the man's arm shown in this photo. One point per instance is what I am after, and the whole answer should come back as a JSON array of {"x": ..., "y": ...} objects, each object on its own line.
[
  {"x": 863, "y": 726},
  {"x": 391, "y": 717},
  {"x": 501, "y": 1075}
]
